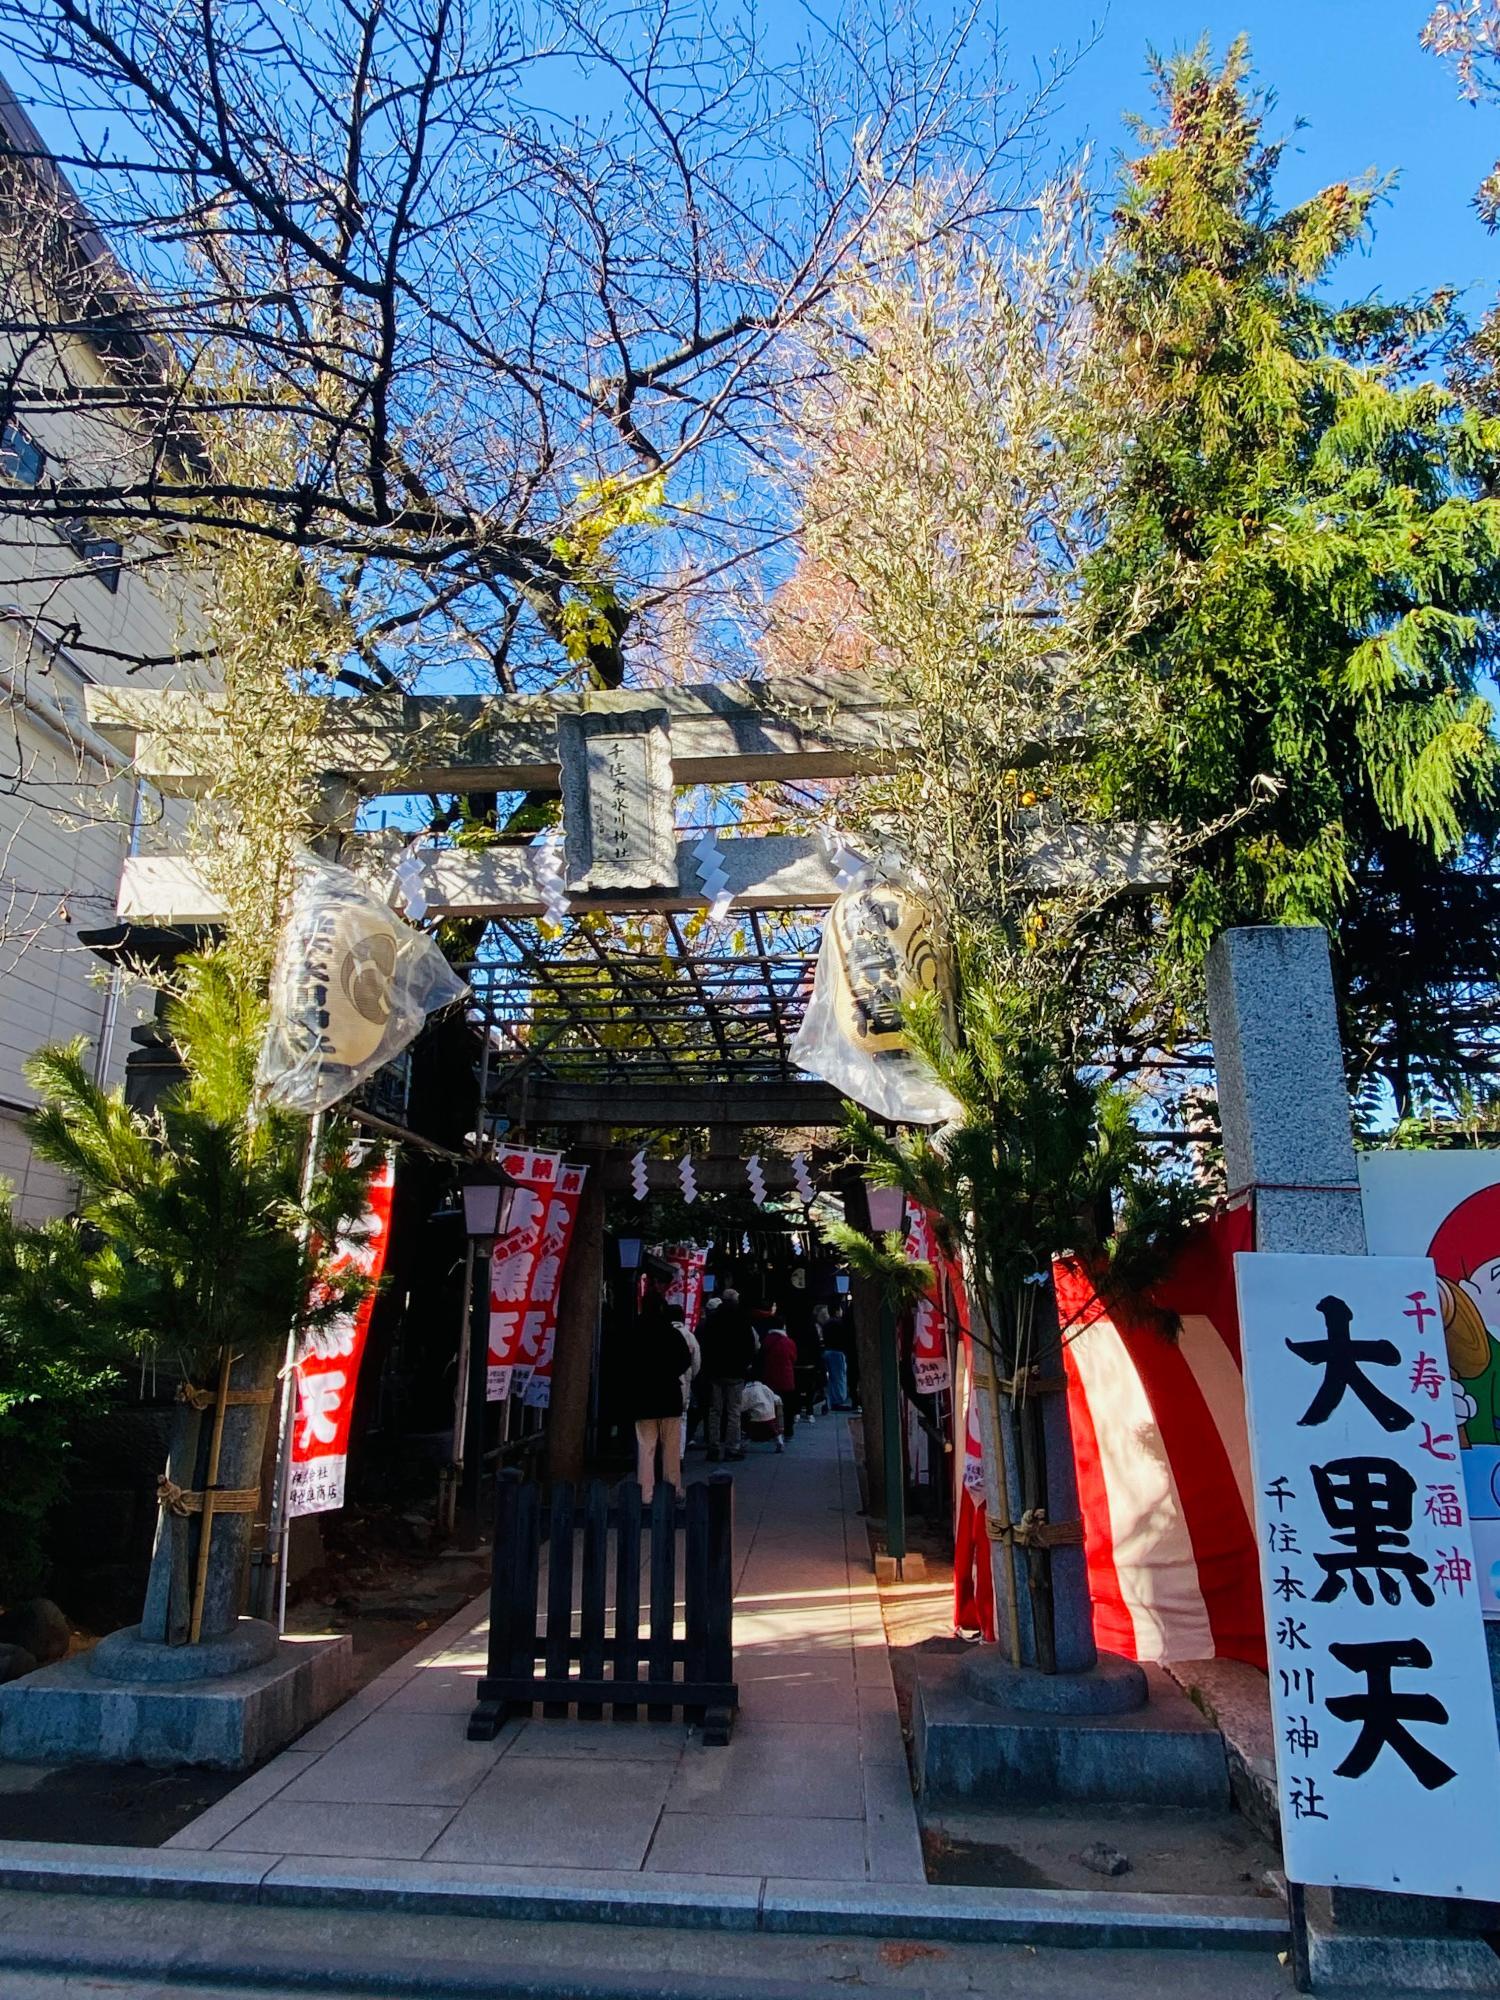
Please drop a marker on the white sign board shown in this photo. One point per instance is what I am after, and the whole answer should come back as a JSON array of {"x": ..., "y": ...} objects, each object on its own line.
[
  {"x": 1446, "y": 1206},
  {"x": 1387, "y": 1760}
]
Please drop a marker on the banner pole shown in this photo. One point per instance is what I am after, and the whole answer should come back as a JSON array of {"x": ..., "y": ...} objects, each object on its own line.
[
  {"x": 271, "y": 1594},
  {"x": 476, "y": 1385},
  {"x": 461, "y": 1396}
]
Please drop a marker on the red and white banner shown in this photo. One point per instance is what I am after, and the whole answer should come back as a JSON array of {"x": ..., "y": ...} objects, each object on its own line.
[
  {"x": 929, "y": 1337},
  {"x": 546, "y": 1277},
  {"x": 686, "y": 1289},
  {"x": 1163, "y": 1458},
  {"x": 328, "y": 1366},
  {"x": 516, "y": 1323},
  {"x": 973, "y": 1575}
]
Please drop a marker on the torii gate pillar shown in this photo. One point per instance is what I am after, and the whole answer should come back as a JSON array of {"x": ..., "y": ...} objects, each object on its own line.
[{"x": 577, "y": 1327}]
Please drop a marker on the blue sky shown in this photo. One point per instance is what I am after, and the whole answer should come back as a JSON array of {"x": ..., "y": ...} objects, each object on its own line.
[{"x": 1353, "y": 69}]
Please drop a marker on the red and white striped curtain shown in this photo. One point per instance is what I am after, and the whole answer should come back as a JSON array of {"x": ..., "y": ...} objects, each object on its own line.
[{"x": 1163, "y": 1459}]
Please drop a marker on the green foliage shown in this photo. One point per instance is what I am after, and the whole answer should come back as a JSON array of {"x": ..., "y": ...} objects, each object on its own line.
[
  {"x": 1303, "y": 551},
  {"x": 884, "y": 1262},
  {"x": 192, "y": 1235},
  {"x": 53, "y": 1369},
  {"x": 1045, "y": 1161},
  {"x": 196, "y": 1235},
  {"x": 592, "y": 613}
]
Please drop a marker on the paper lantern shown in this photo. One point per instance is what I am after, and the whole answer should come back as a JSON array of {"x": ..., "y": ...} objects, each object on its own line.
[{"x": 336, "y": 993}]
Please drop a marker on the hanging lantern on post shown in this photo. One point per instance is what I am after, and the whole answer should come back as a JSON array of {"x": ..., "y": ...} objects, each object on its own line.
[{"x": 887, "y": 1206}]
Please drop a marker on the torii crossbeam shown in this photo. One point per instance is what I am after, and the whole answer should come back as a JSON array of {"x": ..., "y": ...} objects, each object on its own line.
[{"x": 617, "y": 757}]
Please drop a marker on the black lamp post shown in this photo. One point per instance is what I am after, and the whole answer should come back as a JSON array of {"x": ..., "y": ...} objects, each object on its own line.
[{"x": 488, "y": 1202}]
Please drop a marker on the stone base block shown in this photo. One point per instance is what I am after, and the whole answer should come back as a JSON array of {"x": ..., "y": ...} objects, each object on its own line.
[
  {"x": 1236, "y": 1698},
  {"x": 913, "y": 1568},
  {"x": 66, "y": 1714},
  {"x": 972, "y": 1752},
  {"x": 126, "y": 1656},
  {"x": 1112, "y": 1686},
  {"x": 1363, "y": 1963}
]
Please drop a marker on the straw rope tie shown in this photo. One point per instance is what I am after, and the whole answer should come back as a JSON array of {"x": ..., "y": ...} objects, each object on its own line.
[
  {"x": 203, "y": 1399},
  {"x": 182, "y": 1500},
  {"x": 1035, "y": 1531}
]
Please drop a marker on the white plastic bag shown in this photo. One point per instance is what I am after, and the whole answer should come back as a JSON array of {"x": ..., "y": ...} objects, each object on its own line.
[
  {"x": 877, "y": 954},
  {"x": 352, "y": 985}
]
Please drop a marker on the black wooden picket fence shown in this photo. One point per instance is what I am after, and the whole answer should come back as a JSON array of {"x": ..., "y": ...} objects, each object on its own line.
[{"x": 600, "y": 1667}]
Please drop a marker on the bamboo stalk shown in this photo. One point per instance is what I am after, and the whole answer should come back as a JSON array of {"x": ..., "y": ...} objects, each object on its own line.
[
  {"x": 996, "y": 1462},
  {"x": 270, "y": 1596},
  {"x": 205, "y": 1533}
]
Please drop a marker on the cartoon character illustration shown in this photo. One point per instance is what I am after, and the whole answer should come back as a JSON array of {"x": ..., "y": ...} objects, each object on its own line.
[{"x": 1466, "y": 1251}]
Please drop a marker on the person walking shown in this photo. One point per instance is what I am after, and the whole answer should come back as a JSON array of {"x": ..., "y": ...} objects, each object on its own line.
[
  {"x": 836, "y": 1335},
  {"x": 778, "y": 1370},
  {"x": 728, "y": 1346},
  {"x": 807, "y": 1334},
  {"x": 662, "y": 1358},
  {"x": 695, "y": 1423}
]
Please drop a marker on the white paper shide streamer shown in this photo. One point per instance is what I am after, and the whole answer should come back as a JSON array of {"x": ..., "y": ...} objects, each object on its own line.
[
  {"x": 804, "y": 1180},
  {"x": 850, "y": 870},
  {"x": 409, "y": 884},
  {"x": 755, "y": 1174},
  {"x": 548, "y": 848},
  {"x": 712, "y": 879},
  {"x": 640, "y": 1185},
  {"x": 686, "y": 1178}
]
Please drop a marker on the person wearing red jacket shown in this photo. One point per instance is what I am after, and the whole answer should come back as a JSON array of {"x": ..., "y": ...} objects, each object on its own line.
[{"x": 778, "y": 1369}]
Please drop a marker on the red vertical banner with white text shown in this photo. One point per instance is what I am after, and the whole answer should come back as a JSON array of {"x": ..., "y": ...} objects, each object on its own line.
[
  {"x": 328, "y": 1361},
  {"x": 929, "y": 1336},
  {"x": 686, "y": 1289},
  {"x": 547, "y": 1276},
  {"x": 973, "y": 1578},
  {"x": 515, "y": 1330}
]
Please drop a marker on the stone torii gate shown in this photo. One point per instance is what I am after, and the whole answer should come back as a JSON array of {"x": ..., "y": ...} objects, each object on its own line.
[{"x": 618, "y": 758}]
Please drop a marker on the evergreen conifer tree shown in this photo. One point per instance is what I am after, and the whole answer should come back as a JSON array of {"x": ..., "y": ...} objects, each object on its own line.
[{"x": 1303, "y": 551}]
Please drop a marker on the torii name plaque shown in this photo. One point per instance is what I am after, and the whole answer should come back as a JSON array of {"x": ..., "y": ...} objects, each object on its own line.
[{"x": 617, "y": 798}]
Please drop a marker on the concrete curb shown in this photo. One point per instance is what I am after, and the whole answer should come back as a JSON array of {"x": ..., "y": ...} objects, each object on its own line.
[
  {"x": 283, "y": 1973},
  {"x": 1058, "y": 1917}
]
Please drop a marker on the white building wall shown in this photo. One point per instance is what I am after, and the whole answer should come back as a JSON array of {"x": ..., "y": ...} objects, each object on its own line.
[{"x": 66, "y": 806}]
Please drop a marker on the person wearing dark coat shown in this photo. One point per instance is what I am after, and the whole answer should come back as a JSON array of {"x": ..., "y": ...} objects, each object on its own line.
[
  {"x": 837, "y": 1337},
  {"x": 661, "y": 1358},
  {"x": 728, "y": 1343},
  {"x": 808, "y": 1337}
]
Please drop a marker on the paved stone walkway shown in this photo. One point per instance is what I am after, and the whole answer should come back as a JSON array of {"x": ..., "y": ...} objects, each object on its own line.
[{"x": 813, "y": 1785}]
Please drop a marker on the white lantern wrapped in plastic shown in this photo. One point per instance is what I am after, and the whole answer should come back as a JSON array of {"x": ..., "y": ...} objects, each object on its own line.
[{"x": 351, "y": 987}]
